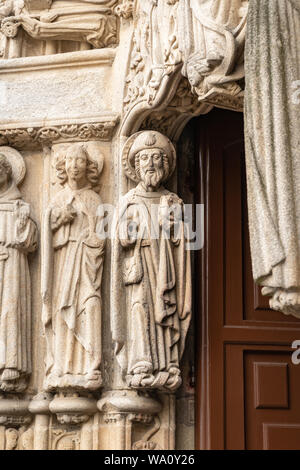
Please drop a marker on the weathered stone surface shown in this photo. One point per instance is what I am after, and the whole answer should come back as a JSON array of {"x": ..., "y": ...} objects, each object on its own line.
[
  {"x": 151, "y": 271},
  {"x": 72, "y": 266},
  {"x": 18, "y": 237},
  {"x": 272, "y": 149},
  {"x": 78, "y": 80}
]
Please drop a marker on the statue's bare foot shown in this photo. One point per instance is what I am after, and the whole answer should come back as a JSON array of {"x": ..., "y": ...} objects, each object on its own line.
[{"x": 10, "y": 374}]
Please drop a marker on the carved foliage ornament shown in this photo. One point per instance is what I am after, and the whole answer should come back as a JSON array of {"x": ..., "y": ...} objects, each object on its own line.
[
  {"x": 155, "y": 52},
  {"x": 33, "y": 136},
  {"x": 210, "y": 57}
]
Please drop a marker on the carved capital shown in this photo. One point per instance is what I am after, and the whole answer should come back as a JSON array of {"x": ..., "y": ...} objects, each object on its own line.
[{"x": 34, "y": 136}]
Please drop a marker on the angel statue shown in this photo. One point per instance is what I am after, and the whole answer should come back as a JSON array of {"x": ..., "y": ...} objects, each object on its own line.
[{"x": 72, "y": 273}]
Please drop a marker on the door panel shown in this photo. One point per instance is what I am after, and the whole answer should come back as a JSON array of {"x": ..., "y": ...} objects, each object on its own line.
[{"x": 247, "y": 396}]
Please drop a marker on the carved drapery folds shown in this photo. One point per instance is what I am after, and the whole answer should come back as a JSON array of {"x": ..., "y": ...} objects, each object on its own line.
[
  {"x": 151, "y": 277},
  {"x": 272, "y": 149},
  {"x": 200, "y": 40},
  {"x": 213, "y": 51},
  {"x": 155, "y": 52},
  {"x": 92, "y": 23},
  {"x": 18, "y": 237},
  {"x": 72, "y": 273}
]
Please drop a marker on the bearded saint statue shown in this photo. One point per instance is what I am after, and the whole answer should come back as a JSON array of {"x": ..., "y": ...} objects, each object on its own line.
[
  {"x": 72, "y": 275},
  {"x": 151, "y": 270},
  {"x": 18, "y": 237}
]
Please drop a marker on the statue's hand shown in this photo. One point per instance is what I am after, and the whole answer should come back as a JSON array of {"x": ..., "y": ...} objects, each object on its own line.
[
  {"x": 23, "y": 213},
  {"x": 9, "y": 26},
  {"x": 62, "y": 216},
  {"x": 170, "y": 211},
  {"x": 69, "y": 213},
  {"x": 130, "y": 227}
]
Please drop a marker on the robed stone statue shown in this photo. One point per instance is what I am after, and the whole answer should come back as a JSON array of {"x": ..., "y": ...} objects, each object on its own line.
[
  {"x": 72, "y": 274},
  {"x": 18, "y": 237},
  {"x": 151, "y": 272}
]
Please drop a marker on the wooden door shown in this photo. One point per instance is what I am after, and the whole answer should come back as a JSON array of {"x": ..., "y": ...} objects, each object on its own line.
[{"x": 248, "y": 390}]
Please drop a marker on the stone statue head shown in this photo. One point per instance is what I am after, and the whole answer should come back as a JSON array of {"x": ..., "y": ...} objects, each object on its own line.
[
  {"x": 77, "y": 165},
  {"x": 149, "y": 157},
  {"x": 151, "y": 165},
  {"x": 5, "y": 171}
]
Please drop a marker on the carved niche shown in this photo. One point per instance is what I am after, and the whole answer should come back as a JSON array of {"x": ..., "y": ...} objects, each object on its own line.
[
  {"x": 151, "y": 272},
  {"x": 72, "y": 267},
  {"x": 18, "y": 237}
]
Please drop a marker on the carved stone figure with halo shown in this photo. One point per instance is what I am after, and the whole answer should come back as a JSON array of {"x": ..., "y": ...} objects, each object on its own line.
[
  {"x": 18, "y": 237},
  {"x": 151, "y": 277},
  {"x": 72, "y": 273}
]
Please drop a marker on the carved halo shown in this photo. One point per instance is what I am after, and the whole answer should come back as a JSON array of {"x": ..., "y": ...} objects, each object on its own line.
[
  {"x": 137, "y": 142},
  {"x": 17, "y": 163},
  {"x": 92, "y": 149}
]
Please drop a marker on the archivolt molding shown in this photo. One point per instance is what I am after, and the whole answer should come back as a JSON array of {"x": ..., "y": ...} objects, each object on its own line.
[{"x": 201, "y": 41}]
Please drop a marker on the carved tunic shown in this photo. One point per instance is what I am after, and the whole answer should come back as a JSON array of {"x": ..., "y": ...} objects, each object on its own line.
[
  {"x": 73, "y": 321},
  {"x": 156, "y": 273},
  {"x": 213, "y": 53},
  {"x": 15, "y": 293},
  {"x": 80, "y": 20}
]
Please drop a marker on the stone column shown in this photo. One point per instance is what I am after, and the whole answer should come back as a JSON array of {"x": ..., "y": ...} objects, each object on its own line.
[
  {"x": 122, "y": 409},
  {"x": 39, "y": 406}
]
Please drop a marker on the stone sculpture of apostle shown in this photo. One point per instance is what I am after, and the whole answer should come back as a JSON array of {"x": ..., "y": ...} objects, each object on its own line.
[
  {"x": 72, "y": 274},
  {"x": 18, "y": 237},
  {"x": 151, "y": 271}
]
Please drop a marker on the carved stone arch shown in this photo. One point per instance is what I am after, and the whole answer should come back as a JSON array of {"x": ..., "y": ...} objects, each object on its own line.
[{"x": 169, "y": 80}]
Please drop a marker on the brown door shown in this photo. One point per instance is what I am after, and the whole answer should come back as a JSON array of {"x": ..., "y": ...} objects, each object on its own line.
[{"x": 247, "y": 387}]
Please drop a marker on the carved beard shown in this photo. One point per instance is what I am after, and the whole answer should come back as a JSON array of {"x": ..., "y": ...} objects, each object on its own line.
[{"x": 153, "y": 179}]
